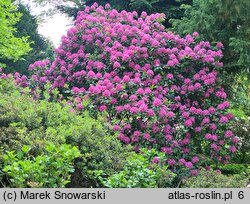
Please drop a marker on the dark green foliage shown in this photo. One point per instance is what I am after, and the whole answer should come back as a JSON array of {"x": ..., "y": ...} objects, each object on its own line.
[
  {"x": 238, "y": 86},
  {"x": 233, "y": 169},
  {"x": 221, "y": 20},
  {"x": 171, "y": 8},
  {"x": 212, "y": 179}
]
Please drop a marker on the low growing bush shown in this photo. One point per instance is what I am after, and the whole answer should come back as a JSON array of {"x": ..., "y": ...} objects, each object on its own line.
[
  {"x": 214, "y": 179},
  {"x": 37, "y": 123},
  {"x": 49, "y": 170},
  {"x": 233, "y": 169},
  {"x": 144, "y": 170}
]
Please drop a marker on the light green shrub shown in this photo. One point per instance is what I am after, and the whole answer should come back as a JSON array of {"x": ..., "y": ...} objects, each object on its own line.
[
  {"x": 37, "y": 123},
  {"x": 212, "y": 179},
  {"x": 51, "y": 169}
]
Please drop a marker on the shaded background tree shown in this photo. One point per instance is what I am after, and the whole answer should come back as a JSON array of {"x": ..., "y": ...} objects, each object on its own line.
[
  {"x": 221, "y": 20},
  {"x": 171, "y": 8}
]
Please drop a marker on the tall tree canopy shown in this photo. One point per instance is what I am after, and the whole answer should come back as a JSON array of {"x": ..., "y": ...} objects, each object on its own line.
[
  {"x": 11, "y": 47},
  {"x": 41, "y": 48}
]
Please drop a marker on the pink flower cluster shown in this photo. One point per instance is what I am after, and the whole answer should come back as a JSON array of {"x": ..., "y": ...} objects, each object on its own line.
[{"x": 162, "y": 88}]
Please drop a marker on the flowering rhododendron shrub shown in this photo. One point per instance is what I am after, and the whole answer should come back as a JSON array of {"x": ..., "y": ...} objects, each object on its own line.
[{"x": 159, "y": 90}]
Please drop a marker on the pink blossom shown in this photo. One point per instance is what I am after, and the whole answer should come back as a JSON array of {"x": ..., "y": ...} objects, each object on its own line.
[
  {"x": 140, "y": 91},
  {"x": 150, "y": 73},
  {"x": 197, "y": 129},
  {"x": 212, "y": 126},
  {"x": 235, "y": 139},
  {"x": 156, "y": 160},
  {"x": 211, "y": 110},
  {"x": 218, "y": 171},
  {"x": 127, "y": 107},
  {"x": 157, "y": 62},
  {"x": 221, "y": 106},
  {"x": 206, "y": 120},
  {"x": 195, "y": 34},
  {"x": 185, "y": 115},
  {"x": 150, "y": 113},
  {"x": 126, "y": 79},
  {"x": 116, "y": 65},
  {"x": 157, "y": 102},
  {"x": 223, "y": 119},
  {"x": 169, "y": 76},
  {"x": 167, "y": 150},
  {"x": 107, "y": 6},
  {"x": 106, "y": 93},
  {"x": 146, "y": 136},
  {"x": 171, "y": 162},
  {"x": 143, "y": 107},
  {"x": 230, "y": 116},
  {"x": 116, "y": 128},
  {"x": 195, "y": 159},
  {"x": 194, "y": 172},
  {"x": 43, "y": 79},
  {"x": 182, "y": 161},
  {"x": 188, "y": 165},
  {"x": 76, "y": 90},
  {"x": 162, "y": 113},
  {"x": 219, "y": 45},
  {"x": 119, "y": 109},
  {"x": 208, "y": 168},
  {"x": 232, "y": 149},
  {"x": 188, "y": 123},
  {"x": 133, "y": 97},
  {"x": 103, "y": 108},
  {"x": 91, "y": 74},
  {"x": 170, "y": 114},
  {"x": 214, "y": 146},
  {"x": 79, "y": 106},
  {"x": 168, "y": 137},
  {"x": 134, "y": 110}
]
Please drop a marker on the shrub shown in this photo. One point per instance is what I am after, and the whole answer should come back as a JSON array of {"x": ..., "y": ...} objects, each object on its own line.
[
  {"x": 213, "y": 179},
  {"x": 99, "y": 148},
  {"x": 36, "y": 123},
  {"x": 139, "y": 172},
  {"x": 51, "y": 170},
  {"x": 24, "y": 121},
  {"x": 233, "y": 168},
  {"x": 158, "y": 90}
]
